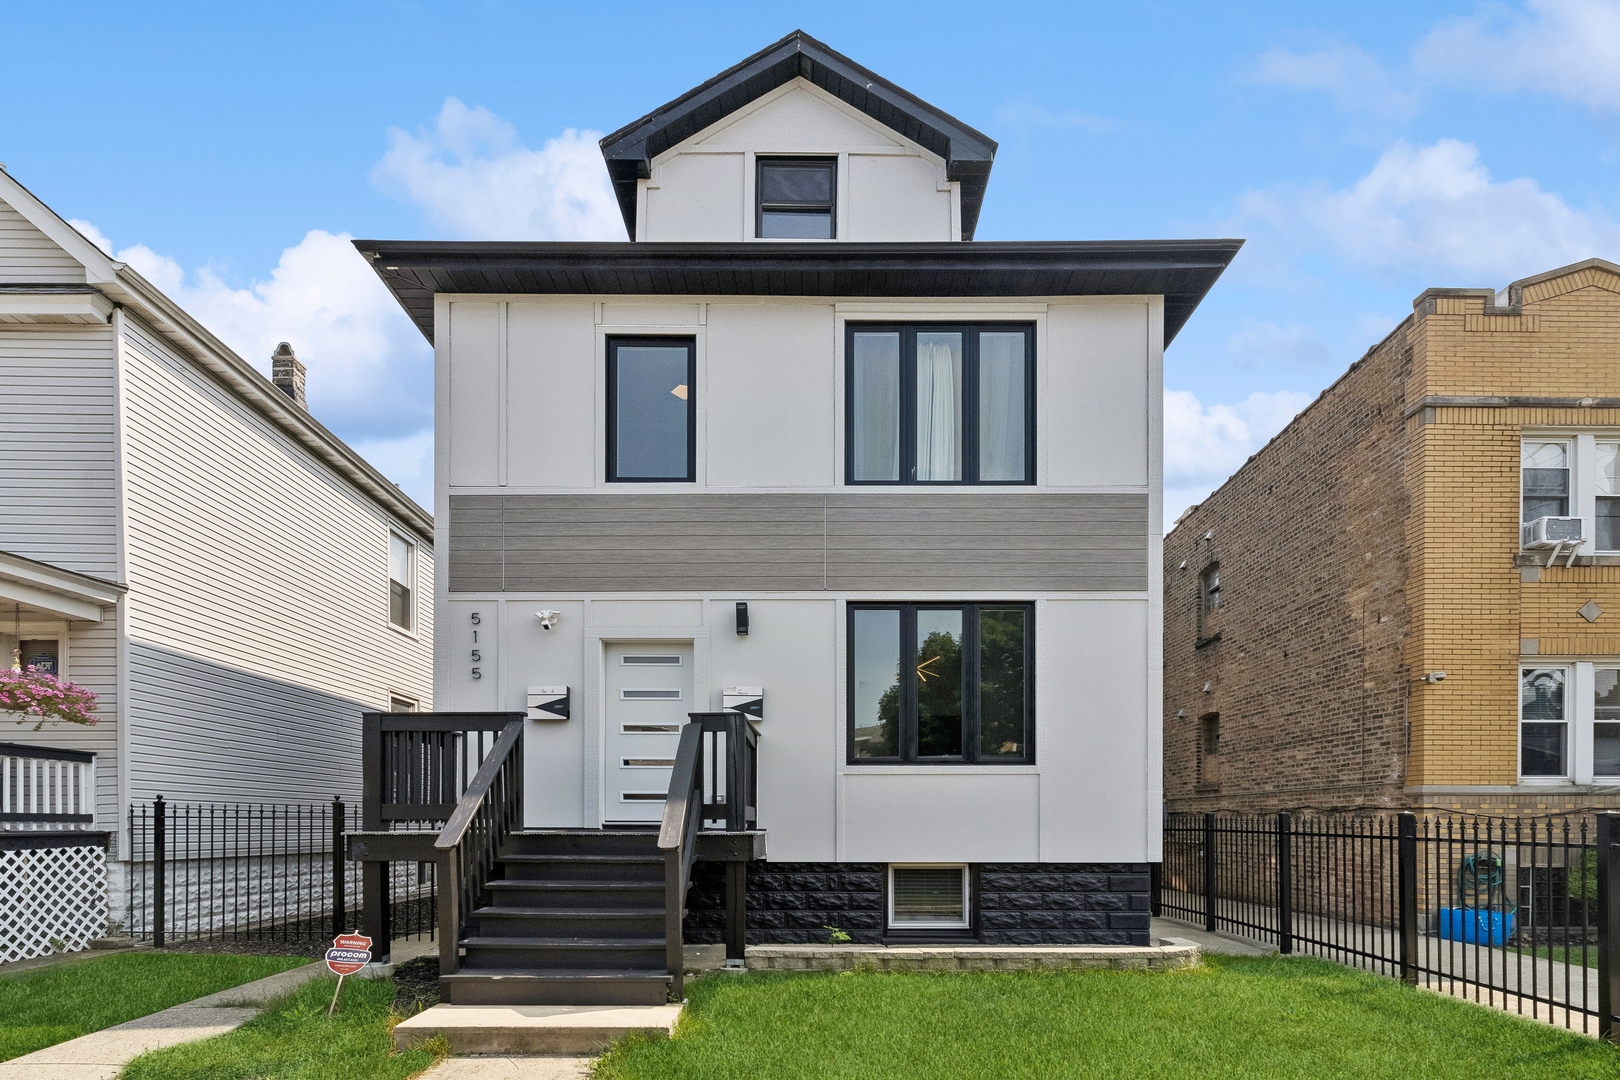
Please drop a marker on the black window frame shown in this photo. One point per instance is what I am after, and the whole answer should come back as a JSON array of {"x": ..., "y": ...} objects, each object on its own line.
[
  {"x": 907, "y": 736},
  {"x": 666, "y": 341},
  {"x": 760, "y": 164},
  {"x": 970, "y": 332}
]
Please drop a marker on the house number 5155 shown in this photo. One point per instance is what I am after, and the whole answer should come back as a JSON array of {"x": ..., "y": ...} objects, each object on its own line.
[{"x": 476, "y": 654}]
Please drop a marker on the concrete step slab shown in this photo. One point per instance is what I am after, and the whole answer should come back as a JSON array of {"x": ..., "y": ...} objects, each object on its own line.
[{"x": 534, "y": 1029}]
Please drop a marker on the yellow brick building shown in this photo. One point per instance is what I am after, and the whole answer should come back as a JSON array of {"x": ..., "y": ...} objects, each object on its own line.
[{"x": 1450, "y": 505}]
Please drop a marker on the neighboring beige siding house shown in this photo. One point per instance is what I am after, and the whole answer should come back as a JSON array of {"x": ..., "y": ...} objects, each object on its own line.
[{"x": 180, "y": 536}]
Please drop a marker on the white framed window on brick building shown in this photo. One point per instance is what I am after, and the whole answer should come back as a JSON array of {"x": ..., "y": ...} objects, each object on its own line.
[
  {"x": 1575, "y": 476},
  {"x": 1569, "y": 722}
]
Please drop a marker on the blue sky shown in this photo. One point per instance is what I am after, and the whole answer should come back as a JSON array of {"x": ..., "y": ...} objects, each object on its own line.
[{"x": 1365, "y": 151}]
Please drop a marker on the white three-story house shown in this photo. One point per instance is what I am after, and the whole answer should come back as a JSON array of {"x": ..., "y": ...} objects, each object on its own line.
[{"x": 803, "y": 446}]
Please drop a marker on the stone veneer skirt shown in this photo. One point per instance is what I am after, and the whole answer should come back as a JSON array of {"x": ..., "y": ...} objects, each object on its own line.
[{"x": 1014, "y": 903}]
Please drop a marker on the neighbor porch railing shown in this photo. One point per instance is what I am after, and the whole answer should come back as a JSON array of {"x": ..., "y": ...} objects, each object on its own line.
[{"x": 43, "y": 785}]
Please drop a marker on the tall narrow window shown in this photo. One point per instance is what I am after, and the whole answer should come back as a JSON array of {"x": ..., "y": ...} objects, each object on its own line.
[
  {"x": 401, "y": 581},
  {"x": 874, "y": 421},
  {"x": 652, "y": 409},
  {"x": 1543, "y": 723},
  {"x": 1209, "y": 586},
  {"x": 940, "y": 683},
  {"x": 940, "y": 404},
  {"x": 1544, "y": 473},
  {"x": 1209, "y": 750},
  {"x": 797, "y": 198},
  {"x": 1606, "y": 722},
  {"x": 1608, "y": 496}
]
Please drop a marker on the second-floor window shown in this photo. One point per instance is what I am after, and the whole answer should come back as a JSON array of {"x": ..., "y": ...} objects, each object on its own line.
[
  {"x": 940, "y": 404},
  {"x": 401, "y": 581},
  {"x": 797, "y": 198},
  {"x": 1544, "y": 475},
  {"x": 651, "y": 409},
  {"x": 1608, "y": 496}
]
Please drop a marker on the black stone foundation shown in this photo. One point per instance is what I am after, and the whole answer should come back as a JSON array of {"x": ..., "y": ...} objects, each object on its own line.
[{"x": 1014, "y": 904}]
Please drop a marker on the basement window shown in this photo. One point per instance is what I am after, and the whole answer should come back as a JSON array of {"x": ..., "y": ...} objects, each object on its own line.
[
  {"x": 797, "y": 198},
  {"x": 930, "y": 897}
]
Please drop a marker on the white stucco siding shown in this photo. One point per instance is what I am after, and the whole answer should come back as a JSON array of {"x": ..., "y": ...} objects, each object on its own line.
[
  {"x": 29, "y": 257},
  {"x": 771, "y": 396},
  {"x": 1094, "y": 394},
  {"x": 895, "y": 198},
  {"x": 258, "y": 605},
  {"x": 698, "y": 197},
  {"x": 58, "y": 459}
]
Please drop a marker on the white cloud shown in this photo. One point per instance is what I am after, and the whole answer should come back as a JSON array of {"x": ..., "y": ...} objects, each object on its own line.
[
  {"x": 370, "y": 370},
  {"x": 1436, "y": 207},
  {"x": 1204, "y": 445},
  {"x": 92, "y": 234},
  {"x": 1266, "y": 342},
  {"x": 407, "y": 461},
  {"x": 1346, "y": 73},
  {"x": 1569, "y": 48},
  {"x": 475, "y": 179},
  {"x": 1025, "y": 112}
]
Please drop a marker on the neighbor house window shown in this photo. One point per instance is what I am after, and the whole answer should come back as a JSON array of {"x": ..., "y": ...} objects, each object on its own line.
[
  {"x": 401, "y": 581},
  {"x": 1209, "y": 589},
  {"x": 941, "y": 683},
  {"x": 401, "y": 704},
  {"x": 797, "y": 198},
  {"x": 1544, "y": 475},
  {"x": 928, "y": 897},
  {"x": 1608, "y": 496},
  {"x": 945, "y": 404},
  {"x": 1543, "y": 723},
  {"x": 652, "y": 409},
  {"x": 1209, "y": 750},
  {"x": 1606, "y": 722}
]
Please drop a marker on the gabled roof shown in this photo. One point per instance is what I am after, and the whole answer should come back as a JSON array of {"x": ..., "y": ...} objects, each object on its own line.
[
  {"x": 1181, "y": 271},
  {"x": 968, "y": 153},
  {"x": 120, "y": 284}
]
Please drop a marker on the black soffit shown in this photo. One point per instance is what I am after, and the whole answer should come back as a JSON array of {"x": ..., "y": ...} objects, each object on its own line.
[
  {"x": 1182, "y": 271},
  {"x": 968, "y": 153}
]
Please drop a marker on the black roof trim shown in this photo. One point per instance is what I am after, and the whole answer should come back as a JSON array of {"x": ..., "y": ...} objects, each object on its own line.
[
  {"x": 968, "y": 153},
  {"x": 1181, "y": 271}
]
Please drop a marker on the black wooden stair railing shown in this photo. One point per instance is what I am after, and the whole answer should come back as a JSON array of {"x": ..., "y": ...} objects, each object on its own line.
[{"x": 559, "y": 916}]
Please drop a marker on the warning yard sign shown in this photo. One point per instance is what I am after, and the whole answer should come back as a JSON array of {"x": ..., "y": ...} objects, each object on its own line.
[{"x": 348, "y": 954}]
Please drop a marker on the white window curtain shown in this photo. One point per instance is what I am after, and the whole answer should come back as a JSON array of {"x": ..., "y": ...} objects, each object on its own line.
[{"x": 939, "y": 406}]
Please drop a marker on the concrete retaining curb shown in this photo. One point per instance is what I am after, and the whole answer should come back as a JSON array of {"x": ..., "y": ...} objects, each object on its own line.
[{"x": 1164, "y": 956}]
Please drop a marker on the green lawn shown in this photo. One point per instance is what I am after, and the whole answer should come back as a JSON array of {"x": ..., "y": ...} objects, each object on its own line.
[
  {"x": 1285, "y": 1017},
  {"x": 296, "y": 1041},
  {"x": 46, "y": 1006}
]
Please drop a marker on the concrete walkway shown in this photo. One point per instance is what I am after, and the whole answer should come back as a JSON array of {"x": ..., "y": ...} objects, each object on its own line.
[
  {"x": 101, "y": 1055},
  {"x": 509, "y": 1068},
  {"x": 1225, "y": 944}
]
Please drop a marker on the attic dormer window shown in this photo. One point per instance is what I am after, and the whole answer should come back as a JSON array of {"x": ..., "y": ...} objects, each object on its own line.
[{"x": 797, "y": 198}]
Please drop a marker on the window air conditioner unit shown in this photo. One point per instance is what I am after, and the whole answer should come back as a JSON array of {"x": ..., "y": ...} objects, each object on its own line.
[{"x": 1550, "y": 532}]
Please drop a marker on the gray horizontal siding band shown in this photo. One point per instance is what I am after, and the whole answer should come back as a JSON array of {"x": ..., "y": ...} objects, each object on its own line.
[{"x": 629, "y": 542}]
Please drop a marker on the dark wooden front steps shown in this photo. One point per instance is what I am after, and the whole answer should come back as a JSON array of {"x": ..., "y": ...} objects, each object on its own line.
[{"x": 574, "y": 917}]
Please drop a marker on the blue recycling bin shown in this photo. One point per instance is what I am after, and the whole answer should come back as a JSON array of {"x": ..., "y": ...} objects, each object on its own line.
[{"x": 1477, "y": 926}]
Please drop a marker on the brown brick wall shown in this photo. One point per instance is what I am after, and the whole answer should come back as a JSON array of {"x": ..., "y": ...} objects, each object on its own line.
[{"x": 1306, "y": 674}]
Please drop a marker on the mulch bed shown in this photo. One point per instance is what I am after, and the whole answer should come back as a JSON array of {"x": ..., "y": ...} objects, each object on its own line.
[{"x": 416, "y": 985}]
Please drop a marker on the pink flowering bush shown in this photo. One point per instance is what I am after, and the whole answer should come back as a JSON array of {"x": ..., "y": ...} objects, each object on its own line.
[{"x": 32, "y": 692}]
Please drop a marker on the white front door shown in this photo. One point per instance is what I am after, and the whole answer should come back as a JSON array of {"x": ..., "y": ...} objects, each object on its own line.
[{"x": 649, "y": 692}]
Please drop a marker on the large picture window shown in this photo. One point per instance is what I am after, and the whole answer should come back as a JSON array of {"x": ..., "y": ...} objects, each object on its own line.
[
  {"x": 940, "y": 404},
  {"x": 941, "y": 683},
  {"x": 652, "y": 409}
]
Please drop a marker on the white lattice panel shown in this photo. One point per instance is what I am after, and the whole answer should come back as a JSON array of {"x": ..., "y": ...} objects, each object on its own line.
[{"x": 54, "y": 900}]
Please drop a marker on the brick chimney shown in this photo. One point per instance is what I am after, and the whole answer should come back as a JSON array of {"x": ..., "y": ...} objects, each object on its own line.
[{"x": 288, "y": 374}]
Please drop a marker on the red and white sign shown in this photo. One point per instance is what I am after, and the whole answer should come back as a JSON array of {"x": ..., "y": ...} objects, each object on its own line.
[{"x": 348, "y": 954}]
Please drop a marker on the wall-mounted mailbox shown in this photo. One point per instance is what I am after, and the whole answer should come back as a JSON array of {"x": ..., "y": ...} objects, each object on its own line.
[
  {"x": 548, "y": 703},
  {"x": 748, "y": 700}
]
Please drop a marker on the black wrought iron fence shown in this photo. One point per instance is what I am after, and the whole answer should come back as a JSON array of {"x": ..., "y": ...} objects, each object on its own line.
[
  {"x": 257, "y": 872},
  {"x": 1506, "y": 911}
]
